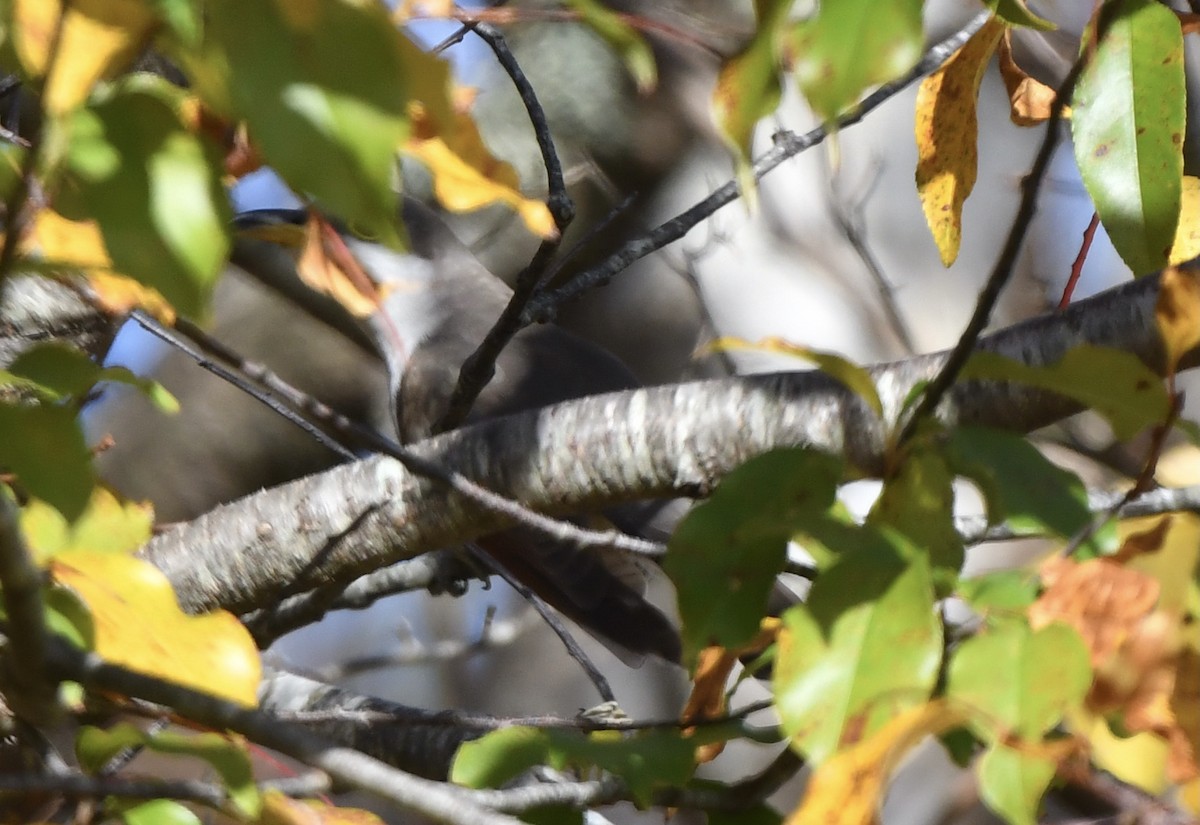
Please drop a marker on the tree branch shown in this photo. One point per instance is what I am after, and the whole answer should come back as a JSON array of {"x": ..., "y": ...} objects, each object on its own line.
[{"x": 598, "y": 451}]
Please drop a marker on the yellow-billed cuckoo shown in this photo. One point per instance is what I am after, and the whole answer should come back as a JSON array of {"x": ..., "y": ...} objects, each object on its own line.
[{"x": 439, "y": 303}]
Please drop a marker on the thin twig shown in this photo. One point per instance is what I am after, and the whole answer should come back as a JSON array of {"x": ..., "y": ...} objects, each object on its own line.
[
  {"x": 548, "y": 616},
  {"x": 787, "y": 145},
  {"x": 1080, "y": 259},
  {"x": 480, "y": 366},
  {"x": 849, "y": 216}
]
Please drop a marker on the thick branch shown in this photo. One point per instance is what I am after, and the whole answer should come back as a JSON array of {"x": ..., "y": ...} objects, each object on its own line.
[{"x": 657, "y": 442}]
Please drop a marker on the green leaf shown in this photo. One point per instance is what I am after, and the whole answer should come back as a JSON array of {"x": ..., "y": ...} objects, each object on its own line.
[
  {"x": 96, "y": 747},
  {"x": 1020, "y": 486},
  {"x": 918, "y": 500},
  {"x": 68, "y": 616},
  {"x": 1020, "y": 681},
  {"x": 1113, "y": 383},
  {"x": 865, "y": 646},
  {"x": 1127, "y": 122},
  {"x": 59, "y": 368},
  {"x": 55, "y": 370},
  {"x": 1016, "y": 13},
  {"x": 646, "y": 761},
  {"x": 624, "y": 40},
  {"x": 159, "y": 812},
  {"x": 322, "y": 87},
  {"x": 12, "y": 158},
  {"x": 724, "y": 556},
  {"x": 1012, "y": 783},
  {"x": 164, "y": 217},
  {"x": 851, "y": 45},
  {"x": 44, "y": 447},
  {"x": 107, "y": 525},
  {"x": 748, "y": 87},
  {"x": 1006, "y": 592}
]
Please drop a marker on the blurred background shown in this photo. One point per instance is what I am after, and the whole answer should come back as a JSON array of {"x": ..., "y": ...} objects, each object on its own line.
[{"x": 836, "y": 256}]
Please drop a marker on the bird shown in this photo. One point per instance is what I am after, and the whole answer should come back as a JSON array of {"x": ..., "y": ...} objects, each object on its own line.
[{"x": 437, "y": 303}]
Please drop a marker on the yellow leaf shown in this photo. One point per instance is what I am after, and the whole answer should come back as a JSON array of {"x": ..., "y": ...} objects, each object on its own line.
[
  {"x": 99, "y": 39},
  {"x": 107, "y": 525},
  {"x": 947, "y": 129},
  {"x": 848, "y": 789},
  {"x": 1187, "y": 233},
  {"x": 445, "y": 139},
  {"x": 1177, "y": 311},
  {"x": 138, "y": 624},
  {"x": 281, "y": 810},
  {"x": 79, "y": 244},
  {"x": 462, "y": 187}
]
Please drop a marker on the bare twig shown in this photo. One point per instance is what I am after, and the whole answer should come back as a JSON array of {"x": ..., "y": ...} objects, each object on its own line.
[{"x": 480, "y": 366}]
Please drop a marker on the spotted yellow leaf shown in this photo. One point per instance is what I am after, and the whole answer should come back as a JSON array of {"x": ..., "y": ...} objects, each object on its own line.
[{"x": 947, "y": 129}]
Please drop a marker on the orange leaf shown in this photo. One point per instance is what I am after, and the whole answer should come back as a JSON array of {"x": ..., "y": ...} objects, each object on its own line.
[
  {"x": 138, "y": 624},
  {"x": 848, "y": 789},
  {"x": 947, "y": 129},
  {"x": 1030, "y": 101},
  {"x": 99, "y": 38},
  {"x": 1177, "y": 311},
  {"x": 281, "y": 810},
  {"x": 713, "y": 667},
  {"x": 327, "y": 266}
]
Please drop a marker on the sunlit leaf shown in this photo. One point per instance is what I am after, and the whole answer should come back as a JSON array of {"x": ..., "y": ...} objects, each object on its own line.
[
  {"x": 107, "y": 525},
  {"x": 1187, "y": 234},
  {"x": 646, "y": 760},
  {"x": 99, "y": 38},
  {"x": 947, "y": 130},
  {"x": 849, "y": 788},
  {"x": 851, "y": 45},
  {"x": 851, "y": 375},
  {"x": 1012, "y": 783},
  {"x": 1017, "y": 13},
  {"x": 1177, "y": 312},
  {"x": 282, "y": 810},
  {"x": 55, "y": 370},
  {"x": 446, "y": 140},
  {"x": 749, "y": 88},
  {"x": 157, "y": 812},
  {"x": 1113, "y": 383},
  {"x": 865, "y": 646},
  {"x": 1019, "y": 684},
  {"x": 1030, "y": 101},
  {"x": 322, "y": 85},
  {"x": 918, "y": 500},
  {"x": 139, "y": 624},
  {"x": 1127, "y": 123},
  {"x": 164, "y": 220},
  {"x": 724, "y": 556}
]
